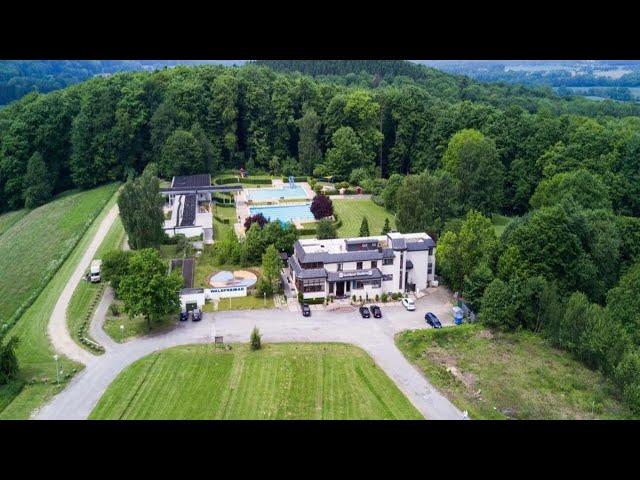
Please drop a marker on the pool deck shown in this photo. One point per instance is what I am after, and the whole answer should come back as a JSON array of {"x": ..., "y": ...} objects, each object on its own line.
[{"x": 243, "y": 204}]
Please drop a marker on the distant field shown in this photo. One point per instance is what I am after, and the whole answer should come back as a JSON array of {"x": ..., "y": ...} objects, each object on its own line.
[
  {"x": 509, "y": 375},
  {"x": 33, "y": 247},
  {"x": 9, "y": 218},
  {"x": 351, "y": 213},
  {"x": 281, "y": 381},
  {"x": 500, "y": 222},
  {"x": 36, "y": 382}
]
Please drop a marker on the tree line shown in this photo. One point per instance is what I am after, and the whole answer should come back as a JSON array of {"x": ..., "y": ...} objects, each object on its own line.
[{"x": 398, "y": 120}]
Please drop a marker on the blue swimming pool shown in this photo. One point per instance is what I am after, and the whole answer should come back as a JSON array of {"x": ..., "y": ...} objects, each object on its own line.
[
  {"x": 285, "y": 213},
  {"x": 259, "y": 194}
]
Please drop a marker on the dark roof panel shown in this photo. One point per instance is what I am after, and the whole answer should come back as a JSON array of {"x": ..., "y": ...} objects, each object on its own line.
[
  {"x": 189, "y": 211},
  {"x": 190, "y": 181}
]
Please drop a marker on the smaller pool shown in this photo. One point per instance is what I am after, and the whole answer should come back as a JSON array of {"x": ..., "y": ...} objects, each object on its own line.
[
  {"x": 285, "y": 213},
  {"x": 258, "y": 194}
]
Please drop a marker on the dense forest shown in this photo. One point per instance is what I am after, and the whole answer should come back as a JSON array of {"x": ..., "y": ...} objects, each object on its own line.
[
  {"x": 19, "y": 77},
  {"x": 442, "y": 152}
]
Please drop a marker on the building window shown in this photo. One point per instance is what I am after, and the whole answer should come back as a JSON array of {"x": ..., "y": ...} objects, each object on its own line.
[
  {"x": 374, "y": 264},
  {"x": 401, "y": 271},
  {"x": 387, "y": 278},
  {"x": 316, "y": 285},
  {"x": 359, "y": 266},
  {"x": 339, "y": 267},
  {"x": 430, "y": 250},
  {"x": 387, "y": 261},
  {"x": 430, "y": 268},
  {"x": 358, "y": 285}
]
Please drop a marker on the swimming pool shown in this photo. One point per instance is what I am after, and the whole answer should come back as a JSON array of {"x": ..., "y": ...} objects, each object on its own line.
[
  {"x": 285, "y": 213},
  {"x": 275, "y": 193}
]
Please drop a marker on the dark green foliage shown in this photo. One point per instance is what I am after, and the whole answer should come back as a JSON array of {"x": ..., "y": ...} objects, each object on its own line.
[
  {"x": 325, "y": 229},
  {"x": 386, "y": 228},
  {"x": 256, "y": 339},
  {"x": 115, "y": 265},
  {"x": 140, "y": 205},
  {"x": 147, "y": 289},
  {"x": 38, "y": 186},
  {"x": 8, "y": 360},
  {"x": 364, "y": 228},
  {"x": 475, "y": 284}
]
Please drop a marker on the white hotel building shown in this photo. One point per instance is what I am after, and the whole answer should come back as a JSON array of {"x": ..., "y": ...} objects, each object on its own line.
[{"x": 365, "y": 266}]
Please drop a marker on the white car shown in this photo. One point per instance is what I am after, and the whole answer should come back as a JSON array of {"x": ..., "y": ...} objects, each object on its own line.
[{"x": 408, "y": 304}]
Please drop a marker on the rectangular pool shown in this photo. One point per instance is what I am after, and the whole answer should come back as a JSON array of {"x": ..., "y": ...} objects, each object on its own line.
[
  {"x": 285, "y": 213},
  {"x": 260, "y": 194}
]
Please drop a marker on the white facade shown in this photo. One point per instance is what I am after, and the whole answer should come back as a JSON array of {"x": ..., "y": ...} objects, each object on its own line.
[{"x": 364, "y": 267}]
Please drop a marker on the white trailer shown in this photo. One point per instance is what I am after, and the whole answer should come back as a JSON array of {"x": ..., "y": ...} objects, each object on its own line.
[{"x": 94, "y": 275}]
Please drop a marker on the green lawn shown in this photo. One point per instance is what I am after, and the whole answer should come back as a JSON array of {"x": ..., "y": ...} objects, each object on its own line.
[
  {"x": 9, "y": 218},
  {"x": 87, "y": 293},
  {"x": 509, "y": 375},
  {"x": 351, "y": 213},
  {"x": 500, "y": 222},
  {"x": 281, "y": 381},
  {"x": 133, "y": 327},
  {"x": 33, "y": 248},
  {"x": 219, "y": 228},
  {"x": 241, "y": 303},
  {"x": 35, "y": 354}
]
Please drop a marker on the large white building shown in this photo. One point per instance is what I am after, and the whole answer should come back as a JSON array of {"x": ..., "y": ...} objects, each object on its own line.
[{"x": 365, "y": 266}]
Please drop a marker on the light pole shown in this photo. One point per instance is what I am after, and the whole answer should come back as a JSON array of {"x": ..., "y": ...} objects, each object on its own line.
[
  {"x": 265, "y": 298},
  {"x": 55, "y": 357},
  {"x": 121, "y": 333}
]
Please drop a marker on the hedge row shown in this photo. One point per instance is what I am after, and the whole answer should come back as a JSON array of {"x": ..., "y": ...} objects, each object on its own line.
[
  {"x": 251, "y": 181},
  {"x": 82, "y": 331},
  {"x": 221, "y": 220}
]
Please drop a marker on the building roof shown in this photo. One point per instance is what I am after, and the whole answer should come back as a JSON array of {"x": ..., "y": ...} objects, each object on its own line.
[
  {"x": 189, "y": 211},
  {"x": 191, "y": 181},
  {"x": 306, "y": 273},
  {"x": 398, "y": 244},
  {"x": 365, "y": 274},
  {"x": 425, "y": 244},
  {"x": 327, "y": 257}
]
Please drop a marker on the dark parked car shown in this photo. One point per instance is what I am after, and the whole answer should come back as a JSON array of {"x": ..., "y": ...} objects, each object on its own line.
[
  {"x": 377, "y": 313},
  {"x": 184, "y": 316},
  {"x": 306, "y": 311},
  {"x": 197, "y": 315},
  {"x": 432, "y": 320},
  {"x": 364, "y": 311}
]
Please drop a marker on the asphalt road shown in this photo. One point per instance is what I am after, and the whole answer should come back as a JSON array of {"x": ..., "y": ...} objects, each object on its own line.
[{"x": 373, "y": 335}]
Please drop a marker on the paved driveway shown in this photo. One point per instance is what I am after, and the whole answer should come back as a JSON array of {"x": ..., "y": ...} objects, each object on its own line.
[{"x": 373, "y": 335}]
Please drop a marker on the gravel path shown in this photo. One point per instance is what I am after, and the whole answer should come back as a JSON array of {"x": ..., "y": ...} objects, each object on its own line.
[{"x": 57, "y": 329}]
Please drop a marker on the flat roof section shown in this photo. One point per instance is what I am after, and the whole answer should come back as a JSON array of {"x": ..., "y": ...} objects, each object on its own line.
[
  {"x": 188, "y": 211},
  {"x": 190, "y": 181}
]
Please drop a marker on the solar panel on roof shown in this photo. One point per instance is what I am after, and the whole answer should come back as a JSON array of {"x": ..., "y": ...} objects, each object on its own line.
[
  {"x": 189, "y": 211},
  {"x": 190, "y": 181}
]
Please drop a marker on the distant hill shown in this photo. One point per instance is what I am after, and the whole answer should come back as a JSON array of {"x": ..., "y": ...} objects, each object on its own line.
[
  {"x": 19, "y": 77},
  {"x": 383, "y": 68}
]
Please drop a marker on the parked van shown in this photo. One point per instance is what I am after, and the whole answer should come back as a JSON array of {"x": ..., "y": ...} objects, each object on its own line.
[{"x": 94, "y": 274}]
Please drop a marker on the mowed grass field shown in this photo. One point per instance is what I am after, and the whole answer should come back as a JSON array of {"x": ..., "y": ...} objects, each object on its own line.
[
  {"x": 509, "y": 375},
  {"x": 281, "y": 381},
  {"x": 36, "y": 382},
  {"x": 351, "y": 213},
  {"x": 9, "y": 218},
  {"x": 34, "y": 246},
  {"x": 87, "y": 292}
]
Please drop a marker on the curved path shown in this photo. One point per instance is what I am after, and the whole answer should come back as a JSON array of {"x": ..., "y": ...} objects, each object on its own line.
[
  {"x": 374, "y": 336},
  {"x": 57, "y": 328}
]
